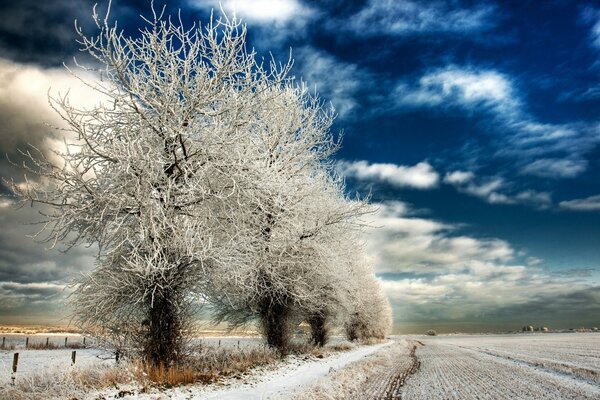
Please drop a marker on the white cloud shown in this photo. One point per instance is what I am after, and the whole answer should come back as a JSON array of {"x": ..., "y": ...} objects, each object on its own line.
[
  {"x": 590, "y": 15},
  {"x": 495, "y": 190},
  {"x": 458, "y": 177},
  {"x": 541, "y": 199},
  {"x": 419, "y": 176},
  {"x": 591, "y": 203},
  {"x": 402, "y": 243},
  {"x": 24, "y": 109},
  {"x": 409, "y": 17},
  {"x": 334, "y": 80},
  {"x": 454, "y": 86},
  {"x": 430, "y": 272},
  {"x": 261, "y": 11},
  {"x": 522, "y": 136},
  {"x": 555, "y": 168}
]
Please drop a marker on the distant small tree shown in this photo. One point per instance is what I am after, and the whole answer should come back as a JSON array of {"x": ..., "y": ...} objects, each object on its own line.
[{"x": 370, "y": 316}]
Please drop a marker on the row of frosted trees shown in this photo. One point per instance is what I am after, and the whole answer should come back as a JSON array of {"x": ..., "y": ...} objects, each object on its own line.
[{"x": 204, "y": 177}]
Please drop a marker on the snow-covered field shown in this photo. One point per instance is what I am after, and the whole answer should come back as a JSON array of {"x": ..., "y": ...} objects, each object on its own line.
[
  {"x": 528, "y": 366},
  {"x": 523, "y": 366}
]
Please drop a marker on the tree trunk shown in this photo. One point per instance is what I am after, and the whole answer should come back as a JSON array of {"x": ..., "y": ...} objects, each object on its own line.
[
  {"x": 163, "y": 336},
  {"x": 275, "y": 321},
  {"x": 318, "y": 327}
]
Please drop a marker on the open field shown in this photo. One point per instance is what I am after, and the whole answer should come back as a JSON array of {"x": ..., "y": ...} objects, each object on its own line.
[{"x": 528, "y": 366}]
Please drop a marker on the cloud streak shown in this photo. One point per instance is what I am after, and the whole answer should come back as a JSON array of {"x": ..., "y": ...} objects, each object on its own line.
[
  {"x": 335, "y": 80},
  {"x": 410, "y": 18},
  {"x": 419, "y": 176},
  {"x": 547, "y": 150},
  {"x": 591, "y": 203},
  {"x": 495, "y": 190},
  {"x": 458, "y": 87}
]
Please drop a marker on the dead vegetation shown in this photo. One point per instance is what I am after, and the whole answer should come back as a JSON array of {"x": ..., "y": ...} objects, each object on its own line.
[{"x": 203, "y": 364}]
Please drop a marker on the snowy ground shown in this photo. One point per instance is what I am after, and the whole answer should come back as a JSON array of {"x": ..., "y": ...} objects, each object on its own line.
[
  {"x": 272, "y": 382},
  {"x": 527, "y": 366}
]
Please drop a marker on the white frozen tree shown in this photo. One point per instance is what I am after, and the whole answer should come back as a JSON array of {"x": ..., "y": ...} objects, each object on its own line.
[
  {"x": 296, "y": 200},
  {"x": 154, "y": 175},
  {"x": 201, "y": 173},
  {"x": 370, "y": 313}
]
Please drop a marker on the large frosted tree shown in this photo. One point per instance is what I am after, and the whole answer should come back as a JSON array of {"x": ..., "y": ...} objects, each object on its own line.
[{"x": 154, "y": 175}]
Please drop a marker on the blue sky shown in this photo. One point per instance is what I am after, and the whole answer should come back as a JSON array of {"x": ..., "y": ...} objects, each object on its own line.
[{"x": 474, "y": 126}]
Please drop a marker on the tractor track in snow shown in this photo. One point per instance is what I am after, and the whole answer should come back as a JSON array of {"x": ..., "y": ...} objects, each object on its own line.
[{"x": 389, "y": 386}]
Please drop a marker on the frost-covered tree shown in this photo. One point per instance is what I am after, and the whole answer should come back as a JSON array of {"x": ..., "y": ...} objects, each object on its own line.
[
  {"x": 370, "y": 313},
  {"x": 296, "y": 200},
  {"x": 201, "y": 173},
  {"x": 156, "y": 175}
]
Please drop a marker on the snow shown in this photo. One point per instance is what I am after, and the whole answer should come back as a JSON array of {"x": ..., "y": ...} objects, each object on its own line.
[
  {"x": 283, "y": 381},
  {"x": 557, "y": 366},
  {"x": 267, "y": 383}
]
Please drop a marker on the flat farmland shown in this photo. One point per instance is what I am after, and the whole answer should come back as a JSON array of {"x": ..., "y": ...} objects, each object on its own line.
[{"x": 527, "y": 366}]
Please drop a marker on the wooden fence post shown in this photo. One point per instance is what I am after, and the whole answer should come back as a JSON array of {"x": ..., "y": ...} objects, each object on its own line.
[
  {"x": 117, "y": 357},
  {"x": 47, "y": 341},
  {"x": 66, "y": 341},
  {"x": 3, "y": 342},
  {"x": 73, "y": 355},
  {"x": 84, "y": 340},
  {"x": 26, "y": 342},
  {"x": 14, "y": 367}
]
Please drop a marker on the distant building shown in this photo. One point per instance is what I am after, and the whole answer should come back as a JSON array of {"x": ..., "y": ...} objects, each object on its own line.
[{"x": 528, "y": 328}]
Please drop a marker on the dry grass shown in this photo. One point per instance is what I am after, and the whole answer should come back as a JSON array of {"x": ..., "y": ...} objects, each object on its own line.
[
  {"x": 203, "y": 365},
  {"x": 212, "y": 363},
  {"x": 42, "y": 346},
  {"x": 31, "y": 330},
  {"x": 65, "y": 383}
]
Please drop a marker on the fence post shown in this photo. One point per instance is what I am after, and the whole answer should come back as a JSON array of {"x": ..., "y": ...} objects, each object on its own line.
[
  {"x": 3, "y": 342},
  {"x": 26, "y": 342},
  {"x": 15, "y": 362},
  {"x": 84, "y": 340},
  {"x": 219, "y": 342},
  {"x": 14, "y": 367},
  {"x": 117, "y": 357},
  {"x": 73, "y": 355},
  {"x": 66, "y": 341},
  {"x": 47, "y": 341}
]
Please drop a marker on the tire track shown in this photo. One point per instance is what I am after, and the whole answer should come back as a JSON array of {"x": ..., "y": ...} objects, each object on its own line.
[{"x": 395, "y": 380}]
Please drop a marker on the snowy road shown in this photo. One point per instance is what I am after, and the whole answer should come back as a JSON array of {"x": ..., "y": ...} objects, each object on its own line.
[{"x": 286, "y": 380}]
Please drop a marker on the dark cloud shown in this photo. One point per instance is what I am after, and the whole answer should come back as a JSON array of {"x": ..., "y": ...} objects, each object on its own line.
[
  {"x": 41, "y": 32},
  {"x": 24, "y": 261},
  {"x": 561, "y": 310}
]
